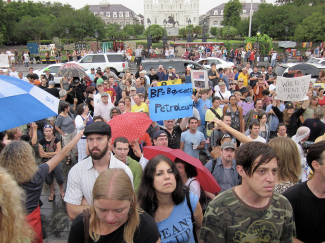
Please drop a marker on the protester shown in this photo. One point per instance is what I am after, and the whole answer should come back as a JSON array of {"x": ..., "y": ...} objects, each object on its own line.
[
  {"x": 14, "y": 134},
  {"x": 202, "y": 104},
  {"x": 211, "y": 113},
  {"x": 316, "y": 126},
  {"x": 162, "y": 196},
  {"x": 18, "y": 159},
  {"x": 114, "y": 215},
  {"x": 104, "y": 107},
  {"x": 115, "y": 111},
  {"x": 174, "y": 132},
  {"x": 272, "y": 118},
  {"x": 13, "y": 225},
  {"x": 139, "y": 106},
  {"x": 307, "y": 199},
  {"x": 82, "y": 176},
  {"x": 270, "y": 214},
  {"x": 254, "y": 131},
  {"x": 213, "y": 74},
  {"x": 288, "y": 163},
  {"x": 252, "y": 115},
  {"x": 236, "y": 113}
]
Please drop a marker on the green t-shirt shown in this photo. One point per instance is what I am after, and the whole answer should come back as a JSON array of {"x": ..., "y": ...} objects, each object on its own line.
[
  {"x": 136, "y": 169},
  {"x": 229, "y": 219}
]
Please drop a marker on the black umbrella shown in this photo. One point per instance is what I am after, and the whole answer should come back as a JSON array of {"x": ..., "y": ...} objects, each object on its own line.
[{"x": 306, "y": 69}]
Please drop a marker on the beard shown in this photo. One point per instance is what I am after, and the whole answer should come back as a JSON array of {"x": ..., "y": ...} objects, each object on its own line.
[{"x": 99, "y": 156}]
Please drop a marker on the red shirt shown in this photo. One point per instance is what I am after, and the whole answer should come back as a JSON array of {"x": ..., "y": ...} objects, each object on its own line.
[
  {"x": 252, "y": 56},
  {"x": 321, "y": 102},
  {"x": 111, "y": 92}
]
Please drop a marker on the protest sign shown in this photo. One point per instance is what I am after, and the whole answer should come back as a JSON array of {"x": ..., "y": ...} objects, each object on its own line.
[
  {"x": 292, "y": 89},
  {"x": 169, "y": 82},
  {"x": 200, "y": 79},
  {"x": 170, "y": 102},
  {"x": 246, "y": 107},
  {"x": 4, "y": 62}
]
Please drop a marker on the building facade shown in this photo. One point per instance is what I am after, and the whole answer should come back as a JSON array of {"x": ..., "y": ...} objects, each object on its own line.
[
  {"x": 114, "y": 13},
  {"x": 214, "y": 16},
  {"x": 181, "y": 11}
]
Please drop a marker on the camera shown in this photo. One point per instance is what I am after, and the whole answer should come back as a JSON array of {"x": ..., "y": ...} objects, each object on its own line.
[{"x": 306, "y": 145}]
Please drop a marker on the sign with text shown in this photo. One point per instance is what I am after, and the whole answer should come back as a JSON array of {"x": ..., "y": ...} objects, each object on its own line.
[
  {"x": 170, "y": 102},
  {"x": 292, "y": 89},
  {"x": 4, "y": 61},
  {"x": 169, "y": 82},
  {"x": 200, "y": 79}
]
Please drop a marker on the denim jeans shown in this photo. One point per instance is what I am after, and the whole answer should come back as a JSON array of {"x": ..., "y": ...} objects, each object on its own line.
[{"x": 273, "y": 62}]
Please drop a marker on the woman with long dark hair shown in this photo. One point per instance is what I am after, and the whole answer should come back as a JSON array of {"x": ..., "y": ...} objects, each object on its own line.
[
  {"x": 235, "y": 111},
  {"x": 161, "y": 195}
]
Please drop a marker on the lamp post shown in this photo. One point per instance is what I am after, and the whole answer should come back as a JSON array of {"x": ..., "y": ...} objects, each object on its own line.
[
  {"x": 149, "y": 38},
  {"x": 286, "y": 29},
  {"x": 67, "y": 32},
  {"x": 96, "y": 35},
  {"x": 228, "y": 34},
  {"x": 204, "y": 37},
  {"x": 258, "y": 33},
  {"x": 189, "y": 37},
  {"x": 165, "y": 34}
]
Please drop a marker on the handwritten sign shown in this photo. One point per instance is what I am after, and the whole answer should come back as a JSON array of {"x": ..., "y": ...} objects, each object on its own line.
[
  {"x": 200, "y": 79},
  {"x": 170, "y": 102},
  {"x": 246, "y": 107},
  {"x": 4, "y": 62},
  {"x": 292, "y": 89},
  {"x": 169, "y": 82}
]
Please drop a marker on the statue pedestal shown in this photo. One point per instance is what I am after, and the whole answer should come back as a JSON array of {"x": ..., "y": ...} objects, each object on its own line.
[{"x": 172, "y": 31}]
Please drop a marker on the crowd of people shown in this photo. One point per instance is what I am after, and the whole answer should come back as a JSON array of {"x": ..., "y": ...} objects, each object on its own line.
[{"x": 268, "y": 162}]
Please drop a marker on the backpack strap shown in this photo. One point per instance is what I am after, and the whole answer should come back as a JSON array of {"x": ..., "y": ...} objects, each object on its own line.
[
  {"x": 249, "y": 119},
  {"x": 187, "y": 193},
  {"x": 214, "y": 162},
  {"x": 215, "y": 113},
  {"x": 86, "y": 224}
]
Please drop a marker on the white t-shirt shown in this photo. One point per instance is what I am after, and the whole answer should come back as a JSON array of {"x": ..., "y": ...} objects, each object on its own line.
[
  {"x": 194, "y": 186},
  {"x": 14, "y": 74},
  {"x": 26, "y": 57},
  {"x": 274, "y": 55},
  {"x": 258, "y": 139},
  {"x": 98, "y": 99},
  {"x": 196, "y": 113},
  {"x": 225, "y": 95},
  {"x": 272, "y": 87}
]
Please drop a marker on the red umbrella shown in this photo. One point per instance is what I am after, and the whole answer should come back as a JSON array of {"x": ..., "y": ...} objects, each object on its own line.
[
  {"x": 131, "y": 125},
  {"x": 204, "y": 176},
  {"x": 71, "y": 65}
]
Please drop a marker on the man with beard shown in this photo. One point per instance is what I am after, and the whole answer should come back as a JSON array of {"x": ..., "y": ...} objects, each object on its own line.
[{"x": 82, "y": 176}]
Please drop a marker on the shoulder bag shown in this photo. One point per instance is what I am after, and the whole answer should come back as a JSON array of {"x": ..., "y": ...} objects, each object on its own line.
[
  {"x": 192, "y": 215},
  {"x": 86, "y": 224}
]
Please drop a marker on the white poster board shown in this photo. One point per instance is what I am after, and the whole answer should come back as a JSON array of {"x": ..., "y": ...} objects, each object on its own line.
[
  {"x": 200, "y": 79},
  {"x": 292, "y": 89},
  {"x": 4, "y": 61}
]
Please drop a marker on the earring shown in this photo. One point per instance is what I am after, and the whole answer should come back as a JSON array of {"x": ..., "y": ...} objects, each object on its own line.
[
  {"x": 130, "y": 210},
  {"x": 153, "y": 207}
]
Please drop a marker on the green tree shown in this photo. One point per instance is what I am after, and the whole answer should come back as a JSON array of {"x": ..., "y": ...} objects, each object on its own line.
[
  {"x": 301, "y": 2},
  {"x": 32, "y": 27},
  {"x": 243, "y": 27},
  {"x": 138, "y": 29},
  {"x": 156, "y": 32},
  {"x": 311, "y": 29},
  {"x": 214, "y": 31},
  {"x": 231, "y": 13},
  {"x": 129, "y": 30},
  {"x": 224, "y": 33},
  {"x": 197, "y": 31}
]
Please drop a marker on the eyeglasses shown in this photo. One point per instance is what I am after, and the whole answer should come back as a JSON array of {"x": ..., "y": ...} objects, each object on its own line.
[
  {"x": 114, "y": 112},
  {"x": 240, "y": 81},
  {"x": 105, "y": 84}
]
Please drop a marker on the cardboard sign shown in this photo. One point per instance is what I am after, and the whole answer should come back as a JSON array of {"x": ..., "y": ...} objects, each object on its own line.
[
  {"x": 170, "y": 102},
  {"x": 169, "y": 82},
  {"x": 200, "y": 79},
  {"x": 4, "y": 61},
  {"x": 292, "y": 89}
]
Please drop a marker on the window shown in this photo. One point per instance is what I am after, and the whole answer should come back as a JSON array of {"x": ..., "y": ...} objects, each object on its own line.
[
  {"x": 151, "y": 6},
  {"x": 156, "y": 20},
  {"x": 54, "y": 69},
  {"x": 114, "y": 14},
  {"x": 194, "y": 19},
  {"x": 95, "y": 13},
  {"x": 87, "y": 59},
  {"x": 221, "y": 12},
  {"x": 127, "y": 14},
  {"x": 194, "y": 5},
  {"x": 115, "y": 58},
  {"x": 127, "y": 23},
  {"x": 162, "y": 6},
  {"x": 121, "y": 14},
  {"x": 171, "y": 8},
  {"x": 186, "y": 20},
  {"x": 215, "y": 12},
  {"x": 99, "y": 58},
  {"x": 215, "y": 23},
  {"x": 122, "y": 24},
  {"x": 108, "y": 14},
  {"x": 147, "y": 6},
  {"x": 180, "y": 6},
  {"x": 244, "y": 11},
  {"x": 102, "y": 13}
]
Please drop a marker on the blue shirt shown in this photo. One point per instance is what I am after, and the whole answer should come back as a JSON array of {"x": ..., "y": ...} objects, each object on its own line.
[
  {"x": 92, "y": 76},
  {"x": 178, "y": 226},
  {"x": 202, "y": 107},
  {"x": 161, "y": 76},
  {"x": 188, "y": 79},
  {"x": 273, "y": 120},
  {"x": 236, "y": 76},
  {"x": 226, "y": 79},
  {"x": 188, "y": 138},
  {"x": 167, "y": 74}
]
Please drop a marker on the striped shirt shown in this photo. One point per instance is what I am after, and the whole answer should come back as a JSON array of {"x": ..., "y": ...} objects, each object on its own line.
[{"x": 82, "y": 177}]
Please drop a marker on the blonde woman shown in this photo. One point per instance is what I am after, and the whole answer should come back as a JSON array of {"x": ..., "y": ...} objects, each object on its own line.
[
  {"x": 289, "y": 167},
  {"x": 19, "y": 160},
  {"x": 13, "y": 225},
  {"x": 114, "y": 215}
]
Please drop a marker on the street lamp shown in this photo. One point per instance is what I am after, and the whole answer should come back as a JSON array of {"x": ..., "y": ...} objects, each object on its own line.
[
  {"x": 204, "y": 37},
  {"x": 258, "y": 33},
  {"x": 165, "y": 34},
  {"x": 228, "y": 34},
  {"x": 67, "y": 32},
  {"x": 149, "y": 38},
  {"x": 286, "y": 29},
  {"x": 96, "y": 35},
  {"x": 189, "y": 37}
]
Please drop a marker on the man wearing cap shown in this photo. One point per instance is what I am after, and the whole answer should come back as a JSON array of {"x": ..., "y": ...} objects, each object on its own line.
[
  {"x": 290, "y": 73},
  {"x": 92, "y": 74},
  {"x": 83, "y": 175},
  {"x": 52, "y": 90},
  {"x": 98, "y": 97},
  {"x": 223, "y": 94},
  {"x": 103, "y": 108},
  {"x": 213, "y": 74},
  {"x": 161, "y": 72},
  {"x": 133, "y": 92},
  {"x": 170, "y": 72},
  {"x": 223, "y": 168},
  {"x": 48, "y": 75},
  {"x": 174, "y": 132}
]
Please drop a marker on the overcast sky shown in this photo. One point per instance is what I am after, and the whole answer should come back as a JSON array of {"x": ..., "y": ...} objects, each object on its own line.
[{"x": 137, "y": 5}]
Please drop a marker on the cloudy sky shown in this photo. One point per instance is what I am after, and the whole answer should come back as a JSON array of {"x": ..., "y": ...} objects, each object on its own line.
[{"x": 137, "y": 5}]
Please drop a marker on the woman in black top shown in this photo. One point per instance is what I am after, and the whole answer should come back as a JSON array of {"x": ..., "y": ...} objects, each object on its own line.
[{"x": 114, "y": 215}]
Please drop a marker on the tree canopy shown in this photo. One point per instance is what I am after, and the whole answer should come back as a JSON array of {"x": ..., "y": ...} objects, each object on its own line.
[
  {"x": 312, "y": 28},
  {"x": 231, "y": 13},
  {"x": 156, "y": 32}
]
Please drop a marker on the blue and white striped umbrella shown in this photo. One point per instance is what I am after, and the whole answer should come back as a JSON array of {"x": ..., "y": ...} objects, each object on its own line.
[{"x": 22, "y": 103}]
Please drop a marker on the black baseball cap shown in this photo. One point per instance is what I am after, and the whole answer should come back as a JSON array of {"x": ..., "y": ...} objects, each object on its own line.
[
  {"x": 98, "y": 128},
  {"x": 159, "y": 133}
]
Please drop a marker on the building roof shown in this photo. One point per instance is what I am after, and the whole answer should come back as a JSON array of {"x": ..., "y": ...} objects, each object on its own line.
[
  {"x": 109, "y": 7},
  {"x": 246, "y": 6}
]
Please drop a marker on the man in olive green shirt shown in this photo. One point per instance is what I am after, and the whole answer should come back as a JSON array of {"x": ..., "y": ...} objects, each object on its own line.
[{"x": 121, "y": 150}]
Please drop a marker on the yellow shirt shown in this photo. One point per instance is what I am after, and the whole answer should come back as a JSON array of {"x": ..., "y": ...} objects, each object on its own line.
[
  {"x": 209, "y": 116},
  {"x": 245, "y": 77},
  {"x": 140, "y": 108}
]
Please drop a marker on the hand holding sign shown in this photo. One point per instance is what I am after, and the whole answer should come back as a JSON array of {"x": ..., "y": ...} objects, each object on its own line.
[{"x": 292, "y": 89}]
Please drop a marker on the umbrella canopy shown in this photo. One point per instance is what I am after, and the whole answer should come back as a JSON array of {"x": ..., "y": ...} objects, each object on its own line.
[
  {"x": 306, "y": 69},
  {"x": 131, "y": 125},
  {"x": 70, "y": 72},
  {"x": 22, "y": 103},
  {"x": 204, "y": 176},
  {"x": 71, "y": 65},
  {"x": 287, "y": 44}
]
